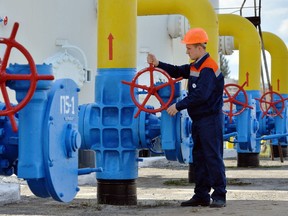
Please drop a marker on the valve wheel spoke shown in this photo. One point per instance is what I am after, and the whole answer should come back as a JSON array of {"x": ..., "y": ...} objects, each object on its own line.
[
  {"x": 151, "y": 90},
  {"x": 274, "y": 106},
  {"x": 231, "y": 99},
  {"x": 33, "y": 77},
  {"x": 160, "y": 99}
]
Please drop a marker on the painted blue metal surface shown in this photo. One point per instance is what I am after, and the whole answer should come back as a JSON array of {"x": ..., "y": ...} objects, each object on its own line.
[
  {"x": 176, "y": 136},
  {"x": 186, "y": 140},
  {"x": 61, "y": 140},
  {"x": 8, "y": 146},
  {"x": 30, "y": 121},
  {"x": 251, "y": 127},
  {"x": 149, "y": 129},
  {"x": 229, "y": 129},
  {"x": 266, "y": 125},
  {"x": 247, "y": 127},
  {"x": 281, "y": 122},
  {"x": 48, "y": 135},
  {"x": 285, "y": 121},
  {"x": 115, "y": 130},
  {"x": 169, "y": 131},
  {"x": 103, "y": 123}
]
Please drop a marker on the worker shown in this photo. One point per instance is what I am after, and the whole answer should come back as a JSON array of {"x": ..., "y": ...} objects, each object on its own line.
[{"x": 204, "y": 105}]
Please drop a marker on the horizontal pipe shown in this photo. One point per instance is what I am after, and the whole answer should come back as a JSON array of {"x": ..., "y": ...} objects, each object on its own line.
[
  {"x": 85, "y": 171},
  {"x": 199, "y": 14},
  {"x": 274, "y": 136},
  {"x": 226, "y": 136}
]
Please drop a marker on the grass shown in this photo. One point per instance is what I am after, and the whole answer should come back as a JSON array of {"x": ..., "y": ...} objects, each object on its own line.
[
  {"x": 184, "y": 182},
  {"x": 177, "y": 182},
  {"x": 236, "y": 182}
]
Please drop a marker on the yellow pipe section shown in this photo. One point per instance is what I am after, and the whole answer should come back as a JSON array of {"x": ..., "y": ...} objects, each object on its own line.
[
  {"x": 279, "y": 56},
  {"x": 199, "y": 13},
  {"x": 247, "y": 40},
  {"x": 117, "y": 33}
]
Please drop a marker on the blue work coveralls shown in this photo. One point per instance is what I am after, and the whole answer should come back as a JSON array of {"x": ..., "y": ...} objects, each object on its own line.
[{"x": 204, "y": 105}]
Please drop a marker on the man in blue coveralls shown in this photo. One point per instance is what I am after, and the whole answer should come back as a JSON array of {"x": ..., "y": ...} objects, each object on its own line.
[{"x": 204, "y": 105}]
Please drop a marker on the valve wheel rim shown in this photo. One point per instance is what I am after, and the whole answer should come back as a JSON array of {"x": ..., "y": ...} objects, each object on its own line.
[
  {"x": 272, "y": 104},
  {"x": 232, "y": 100},
  {"x": 4, "y": 77},
  {"x": 33, "y": 77},
  {"x": 152, "y": 89}
]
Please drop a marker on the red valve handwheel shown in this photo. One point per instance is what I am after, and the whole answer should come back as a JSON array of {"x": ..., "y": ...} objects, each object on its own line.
[
  {"x": 232, "y": 100},
  {"x": 33, "y": 77},
  {"x": 271, "y": 104},
  {"x": 152, "y": 89}
]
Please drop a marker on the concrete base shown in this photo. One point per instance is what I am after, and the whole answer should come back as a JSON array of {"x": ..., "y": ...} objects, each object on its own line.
[{"x": 9, "y": 193}]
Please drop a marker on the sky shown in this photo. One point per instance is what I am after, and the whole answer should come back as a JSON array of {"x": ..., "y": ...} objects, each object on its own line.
[{"x": 274, "y": 19}]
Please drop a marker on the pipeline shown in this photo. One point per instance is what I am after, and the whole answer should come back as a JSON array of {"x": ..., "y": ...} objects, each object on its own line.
[
  {"x": 247, "y": 40},
  {"x": 205, "y": 16},
  {"x": 279, "y": 67}
]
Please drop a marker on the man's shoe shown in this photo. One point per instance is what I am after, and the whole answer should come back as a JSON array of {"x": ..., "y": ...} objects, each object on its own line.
[
  {"x": 195, "y": 202},
  {"x": 218, "y": 204}
]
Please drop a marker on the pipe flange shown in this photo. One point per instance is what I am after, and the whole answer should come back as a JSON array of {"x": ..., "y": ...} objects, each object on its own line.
[{"x": 61, "y": 155}]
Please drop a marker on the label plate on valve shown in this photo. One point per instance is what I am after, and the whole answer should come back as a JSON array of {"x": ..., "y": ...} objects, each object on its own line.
[{"x": 62, "y": 141}]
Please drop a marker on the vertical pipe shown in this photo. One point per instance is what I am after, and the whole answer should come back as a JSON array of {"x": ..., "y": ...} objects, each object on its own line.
[
  {"x": 115, "y": 146},
  {"x": 247, "y": 40},
  {"x": 116, "y": 149},
  {"x": 279, "y": 78},
  {"x": 279, "y": 67},
  {"x": 117, "y": 33}
]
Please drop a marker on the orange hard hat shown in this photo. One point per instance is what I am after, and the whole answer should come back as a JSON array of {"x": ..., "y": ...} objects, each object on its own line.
[{"x": 195, "y": 36}]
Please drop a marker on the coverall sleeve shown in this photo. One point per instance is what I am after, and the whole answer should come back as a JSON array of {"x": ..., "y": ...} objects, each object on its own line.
[
  {"x": 204, "y": 87},
  {"x": 176, "y": 71}
]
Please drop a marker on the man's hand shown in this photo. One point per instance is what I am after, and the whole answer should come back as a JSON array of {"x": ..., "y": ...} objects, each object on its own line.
[
  {"x": 151, "y": 59},
  {"x": 172, "y": 110}
]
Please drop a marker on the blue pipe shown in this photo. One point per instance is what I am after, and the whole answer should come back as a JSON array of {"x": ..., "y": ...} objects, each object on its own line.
[
  {"x": 273, "y": 136},
  {"x": 85, "y": 171},
  {"x": 226, "y": 136},
  {"x": 116, "y": 145}
]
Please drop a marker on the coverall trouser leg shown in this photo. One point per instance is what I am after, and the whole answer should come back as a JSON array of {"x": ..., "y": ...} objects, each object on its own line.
[{"x": 207, "y": 135}]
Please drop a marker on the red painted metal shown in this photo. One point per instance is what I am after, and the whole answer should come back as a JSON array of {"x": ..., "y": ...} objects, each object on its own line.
[
  {"x": 232, "y": 100},
  {"x": 268, "y": 102},
  {"x": 152, "y": 89},
  {"x": 33, "y": 77},
  {"x": 110, "y": 38}
]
